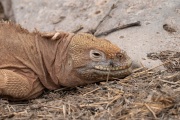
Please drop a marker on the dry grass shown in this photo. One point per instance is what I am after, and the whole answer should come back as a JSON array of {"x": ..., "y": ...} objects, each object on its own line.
[{"x": 146, "y": 94}]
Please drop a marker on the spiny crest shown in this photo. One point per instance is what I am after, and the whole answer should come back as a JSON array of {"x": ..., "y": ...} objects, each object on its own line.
[
  {"x": 10, "y": 24},
  {"x": 85, "y": 41},
  {"x": 17, "y": 27}
]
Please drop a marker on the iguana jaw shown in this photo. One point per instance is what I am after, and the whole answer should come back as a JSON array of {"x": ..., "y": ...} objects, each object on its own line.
[
  {"x": 113, "y": 68},
  {"x": 100, "y": 72}
]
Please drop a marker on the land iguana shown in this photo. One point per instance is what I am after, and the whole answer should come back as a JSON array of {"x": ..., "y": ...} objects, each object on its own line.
[{"x": 32, "y": 61}]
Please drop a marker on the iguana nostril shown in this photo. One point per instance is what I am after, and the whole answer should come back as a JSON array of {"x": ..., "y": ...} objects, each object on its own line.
[
  {"x": 111, "y": 63},
  {"x": 119, "y": 55}
]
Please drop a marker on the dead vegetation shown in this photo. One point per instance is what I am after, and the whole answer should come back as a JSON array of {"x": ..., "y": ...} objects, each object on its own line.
[{"x": 146, "y": 94}]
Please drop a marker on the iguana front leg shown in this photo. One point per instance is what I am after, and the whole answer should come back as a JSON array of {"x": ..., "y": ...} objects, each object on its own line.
[{"x": 16, "y": 86}]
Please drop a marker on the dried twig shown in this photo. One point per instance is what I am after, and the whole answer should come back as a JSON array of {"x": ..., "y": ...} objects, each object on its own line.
[
  {"x": 145, "y": 71},
  {"x": 174, "y": 76},
  {"x": 138, "y": 69},
  {"x": 149, "y": 108},
  {"x": 169, "y": 82},
  {"x": 107, "y": 15},
  {"x": 125, "y": 84},
  {"x": 93, "y": 104},
  {"x": 115, "y": 98},
  {"x": 45, "y": 116},
  {"x": 61, "y": 109},
  {"x": 120, "y": 82},
  {"x": 64, "y": 111},
  {"x": 61, "y": 89},
  {"x": 7, "y": 116},
  {"x": 78, "y": 29},
  {"x": 100, "y": 113},
  {"x": 108, "y": 76},
  {"x": 118, "y": 28},
  {"x": 91, "y": 91},
  {"x": 114, "y": 90}
]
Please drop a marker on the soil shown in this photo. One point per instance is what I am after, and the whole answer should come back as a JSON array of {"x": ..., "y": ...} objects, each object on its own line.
[{"x": 146, "y": 94}]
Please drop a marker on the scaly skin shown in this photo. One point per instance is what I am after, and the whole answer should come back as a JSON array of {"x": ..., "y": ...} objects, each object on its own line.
[
  {"x": 32, "y": 62},
  {"x": 95, "y": 58}
]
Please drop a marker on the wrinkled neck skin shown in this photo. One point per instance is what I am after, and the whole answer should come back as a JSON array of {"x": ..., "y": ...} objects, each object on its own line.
[{"x": 57, "y": 63}]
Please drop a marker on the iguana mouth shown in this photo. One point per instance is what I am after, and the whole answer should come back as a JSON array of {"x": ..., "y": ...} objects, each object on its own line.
[
  {"x": 113, "y": 68},
  {"x": 101, "y": 73},
  {"x": 109, "y": 68},
  {"x": 113, "y": 71},
  {"x": 119, "y": 72}
]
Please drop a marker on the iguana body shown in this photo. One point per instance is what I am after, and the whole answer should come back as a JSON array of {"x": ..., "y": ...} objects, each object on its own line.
[{"x": 29, "y": 63}]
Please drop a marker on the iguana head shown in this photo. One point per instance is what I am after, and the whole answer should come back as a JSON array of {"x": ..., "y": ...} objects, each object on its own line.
[{"x": 95, "y": 59}]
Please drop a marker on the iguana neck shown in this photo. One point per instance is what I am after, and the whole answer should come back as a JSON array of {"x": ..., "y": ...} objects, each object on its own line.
[{"x": 54, "y": 56}]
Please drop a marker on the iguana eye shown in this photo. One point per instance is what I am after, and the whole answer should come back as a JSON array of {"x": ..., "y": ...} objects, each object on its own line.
[{"x": 96, "y": 55}]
